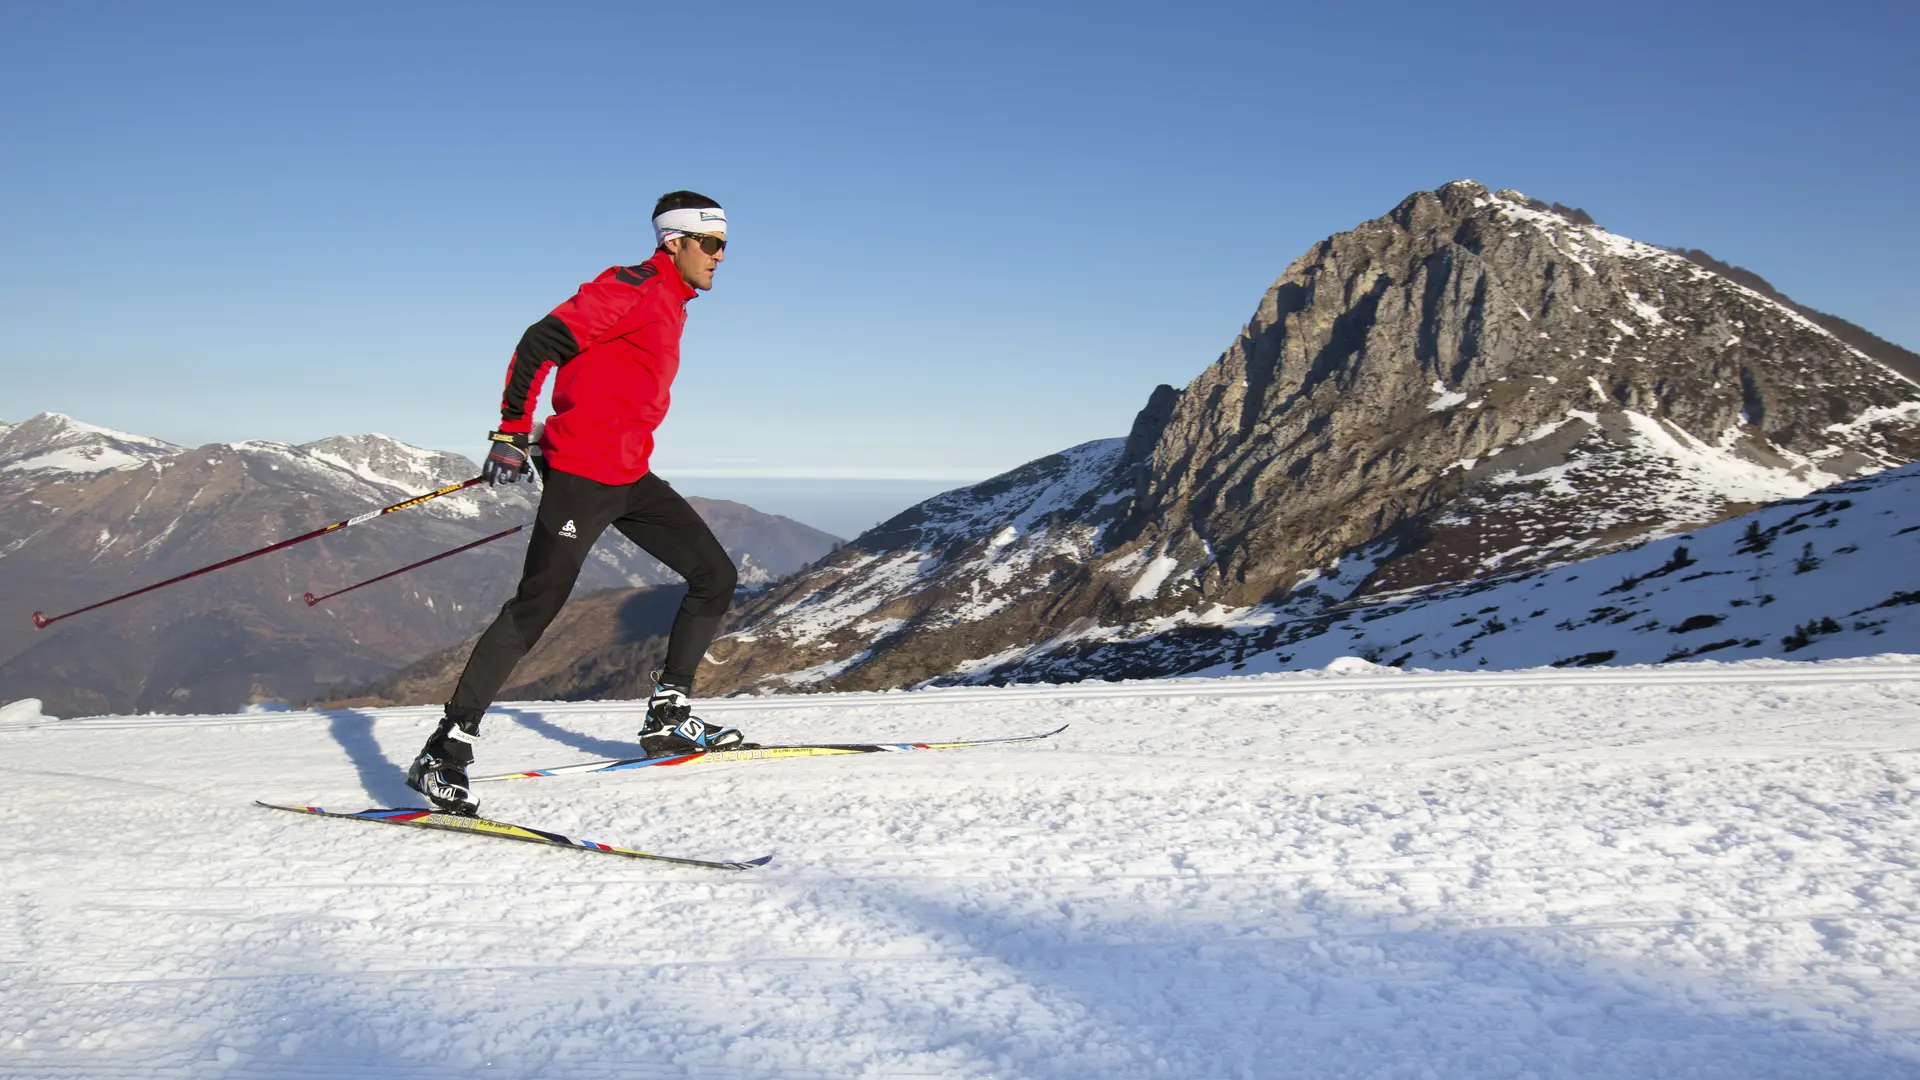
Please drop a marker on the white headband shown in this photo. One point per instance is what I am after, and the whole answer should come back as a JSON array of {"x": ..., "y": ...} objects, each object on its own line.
[{"x": 709, "y": 219}]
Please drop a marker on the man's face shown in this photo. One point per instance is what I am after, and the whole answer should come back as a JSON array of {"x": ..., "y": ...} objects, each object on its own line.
[{"x": 695, "y": 265}]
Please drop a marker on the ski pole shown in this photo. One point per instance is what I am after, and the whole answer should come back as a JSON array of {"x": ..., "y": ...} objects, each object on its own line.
[
  {"x": 41, "y": 620},
  {"x": 312, "y": 599}
]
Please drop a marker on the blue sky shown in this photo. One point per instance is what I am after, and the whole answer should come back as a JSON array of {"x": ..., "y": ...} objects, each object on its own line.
[{"x": 963, "y": 236}]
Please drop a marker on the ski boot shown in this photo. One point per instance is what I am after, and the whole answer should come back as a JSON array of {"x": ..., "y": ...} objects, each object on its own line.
[
  {"x": 440, "y": 772},
  {"x": 672, "y": 729}
]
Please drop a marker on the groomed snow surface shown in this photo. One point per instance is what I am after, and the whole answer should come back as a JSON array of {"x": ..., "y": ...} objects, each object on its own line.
[{"x": 1699, "y": 870}]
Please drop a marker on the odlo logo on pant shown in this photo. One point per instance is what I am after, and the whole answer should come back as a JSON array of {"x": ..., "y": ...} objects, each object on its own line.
[{"x": 567, "y": 530}]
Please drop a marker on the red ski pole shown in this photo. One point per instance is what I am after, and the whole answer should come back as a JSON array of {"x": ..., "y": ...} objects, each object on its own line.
[
  {"x": 312, "y": 599},
  {"x": 41, "y": 620}
]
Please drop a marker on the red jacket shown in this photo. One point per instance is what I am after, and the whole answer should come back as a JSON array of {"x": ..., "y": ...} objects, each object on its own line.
[{"x": 617, "y": 345}]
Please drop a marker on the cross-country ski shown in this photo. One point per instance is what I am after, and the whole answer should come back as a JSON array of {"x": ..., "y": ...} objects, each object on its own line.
[
  {"x": 756, "y": 753},
  {"x": 479, "y": 826}
]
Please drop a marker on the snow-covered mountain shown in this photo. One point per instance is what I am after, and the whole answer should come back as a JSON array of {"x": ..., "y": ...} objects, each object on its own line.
[
  {"x": 1474, "y": 384},
  {"x": 52, "y": 444},
  {"x": 86, "y": 513}
]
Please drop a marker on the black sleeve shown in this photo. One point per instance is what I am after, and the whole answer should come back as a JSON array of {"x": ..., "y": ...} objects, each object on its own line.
[{"x": 549, "y": 341}]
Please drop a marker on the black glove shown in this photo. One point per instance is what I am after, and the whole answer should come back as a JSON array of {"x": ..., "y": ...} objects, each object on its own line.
[{"x": 507, "y": 462}]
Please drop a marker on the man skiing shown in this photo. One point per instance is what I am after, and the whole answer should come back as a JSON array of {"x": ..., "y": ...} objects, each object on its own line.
[{"x": 616, "y": 345}]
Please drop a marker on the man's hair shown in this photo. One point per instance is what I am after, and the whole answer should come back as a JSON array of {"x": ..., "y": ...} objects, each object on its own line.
[{"x": 683, "y": 200}]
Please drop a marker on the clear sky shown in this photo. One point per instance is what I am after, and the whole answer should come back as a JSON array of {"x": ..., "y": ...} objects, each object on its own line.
[{"x": 963, "y": 235}]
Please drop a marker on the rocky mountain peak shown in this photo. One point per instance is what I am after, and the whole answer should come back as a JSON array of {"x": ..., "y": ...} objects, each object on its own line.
[
  {"x": 1469, "y": 345},
  {"x": 1475, "y": 383}
]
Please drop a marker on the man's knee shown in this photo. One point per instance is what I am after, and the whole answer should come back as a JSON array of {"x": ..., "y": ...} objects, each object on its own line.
[
  {"x": 532, "y": 611},
  {"x": 545, "y": 583},
  {"x": 712, "y": 587}
]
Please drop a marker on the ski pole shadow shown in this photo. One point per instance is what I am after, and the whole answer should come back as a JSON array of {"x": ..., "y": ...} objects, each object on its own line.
[
  {"x": 383, "y": 780},
  {"x": 586, "y": 744}
]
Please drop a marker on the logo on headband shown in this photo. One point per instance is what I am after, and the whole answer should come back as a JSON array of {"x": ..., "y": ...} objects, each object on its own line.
[{"x": 704, "y": 216}]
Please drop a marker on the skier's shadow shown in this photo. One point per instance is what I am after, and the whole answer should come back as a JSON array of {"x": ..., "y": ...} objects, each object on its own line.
[
  {"x": 586, "y": 744},
  {"x": 383, "y": 780}
]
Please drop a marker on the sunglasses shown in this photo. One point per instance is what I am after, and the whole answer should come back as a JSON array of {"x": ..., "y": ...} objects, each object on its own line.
[{"x": 712, "y": 245}]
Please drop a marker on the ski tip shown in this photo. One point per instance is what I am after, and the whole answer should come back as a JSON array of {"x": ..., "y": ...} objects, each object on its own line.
[
  {"x": 40, "y": 620},
  {"x": 751, "y": 863}
]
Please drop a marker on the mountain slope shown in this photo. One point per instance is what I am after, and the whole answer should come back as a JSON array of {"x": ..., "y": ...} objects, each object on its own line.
[
  {"x": 1833, "y": 575},
  {"x": 1471, "y": 384},
  {"x": 91, "y": 514},
  {"x": 1905, "y": 361}
]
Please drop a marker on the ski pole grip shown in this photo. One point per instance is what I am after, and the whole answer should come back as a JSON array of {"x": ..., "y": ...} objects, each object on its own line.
[
  {"x": 40, "y": 620},
  {"x": 310, "y": 600}
]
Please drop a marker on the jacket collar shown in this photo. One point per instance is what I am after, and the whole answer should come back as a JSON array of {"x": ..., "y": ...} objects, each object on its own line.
[{"x": 670, "y": 277}]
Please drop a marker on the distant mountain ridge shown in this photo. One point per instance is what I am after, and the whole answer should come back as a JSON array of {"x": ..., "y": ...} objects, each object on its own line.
[{"x": 87, "y": 512}]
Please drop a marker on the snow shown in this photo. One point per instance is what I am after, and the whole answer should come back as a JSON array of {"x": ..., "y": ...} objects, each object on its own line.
[
  {"x": 1444, "y": 399},
  {"x": 1907, "y": 412},
  {"x": 24, "y": 711},
  {"x": 77, "y": 459},
  {"x": 1153, "y": 577},
  {"x": 419, "y": 461},
  {"x": 813, "y": 617},
  {"x": 1648, "y": 313},
  {"x": 1716, "y": 470},
  {"x": 1698, "y": 870}
]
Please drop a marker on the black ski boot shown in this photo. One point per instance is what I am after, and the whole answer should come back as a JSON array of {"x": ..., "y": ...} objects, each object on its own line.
[
  {"x": 672, "y": 729},
  {"x": 440, "y": 772}
]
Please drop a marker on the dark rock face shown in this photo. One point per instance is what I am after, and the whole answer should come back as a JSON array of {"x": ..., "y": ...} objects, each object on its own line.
[
  {"x": 1475, "y": 383},
  {"x": 87, "y": 513}
]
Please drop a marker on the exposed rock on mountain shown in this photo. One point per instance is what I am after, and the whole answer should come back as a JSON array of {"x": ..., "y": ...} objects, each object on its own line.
[
  {"x": 87, "y": 513},
  {"x": 1472, "y": 384},
  {"x": 1904, "y": 361}
]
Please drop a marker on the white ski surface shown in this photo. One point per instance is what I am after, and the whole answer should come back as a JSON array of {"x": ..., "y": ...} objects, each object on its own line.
[{"x": 1698, "y": 870}]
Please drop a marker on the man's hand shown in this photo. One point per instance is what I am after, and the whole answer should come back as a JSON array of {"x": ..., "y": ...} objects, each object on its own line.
[{"x": 507, "y": 462}]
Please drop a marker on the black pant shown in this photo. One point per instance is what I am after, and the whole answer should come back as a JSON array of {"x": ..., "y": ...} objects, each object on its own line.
[{"x": 574, "y": 511}]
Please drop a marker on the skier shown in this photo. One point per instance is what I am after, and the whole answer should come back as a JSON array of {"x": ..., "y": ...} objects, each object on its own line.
[{"x": 616, "y": 344}]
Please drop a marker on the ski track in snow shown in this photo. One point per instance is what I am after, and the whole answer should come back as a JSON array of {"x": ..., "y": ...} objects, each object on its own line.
[{"x": 1703, "y": 870}]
